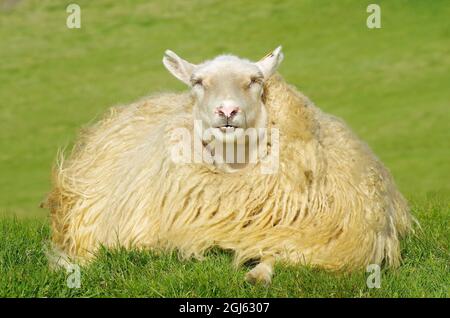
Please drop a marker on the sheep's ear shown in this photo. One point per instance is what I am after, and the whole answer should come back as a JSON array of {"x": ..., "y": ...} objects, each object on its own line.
[
  {"x": 179, "y": 68},
  {"x": 269, "y": 63}
]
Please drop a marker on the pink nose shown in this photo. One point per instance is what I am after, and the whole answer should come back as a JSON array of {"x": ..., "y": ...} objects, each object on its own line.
[{"x": 227, "y": 111}]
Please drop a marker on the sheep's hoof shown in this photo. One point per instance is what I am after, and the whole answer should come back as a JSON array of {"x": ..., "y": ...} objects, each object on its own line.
[{"x": 261, "y": 274}]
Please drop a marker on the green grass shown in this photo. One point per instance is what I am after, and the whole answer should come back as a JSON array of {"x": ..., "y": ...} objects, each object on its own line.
[
  {"x": 391, "y": 85},
  {"x": 24, "y": 270}
]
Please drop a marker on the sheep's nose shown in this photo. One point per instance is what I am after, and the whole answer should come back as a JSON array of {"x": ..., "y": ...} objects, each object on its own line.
[{"x": 227, "y": 111}]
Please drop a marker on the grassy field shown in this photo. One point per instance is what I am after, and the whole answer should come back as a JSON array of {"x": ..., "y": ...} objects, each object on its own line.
[{"x": 392, "y": 85}]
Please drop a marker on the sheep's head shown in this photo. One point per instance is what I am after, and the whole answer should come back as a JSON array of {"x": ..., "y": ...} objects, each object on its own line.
[{"x": 228, "y": 90}]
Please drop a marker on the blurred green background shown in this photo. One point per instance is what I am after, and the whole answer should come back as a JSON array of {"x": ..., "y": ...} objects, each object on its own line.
[{"x": 392, "y": 85}]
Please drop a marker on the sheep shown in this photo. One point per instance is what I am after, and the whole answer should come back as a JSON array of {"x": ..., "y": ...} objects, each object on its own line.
[{"x": 329, "y": 202}]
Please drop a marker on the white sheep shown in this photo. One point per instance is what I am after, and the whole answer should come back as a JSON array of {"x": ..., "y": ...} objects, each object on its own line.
[{"x": 327, "y": 200}]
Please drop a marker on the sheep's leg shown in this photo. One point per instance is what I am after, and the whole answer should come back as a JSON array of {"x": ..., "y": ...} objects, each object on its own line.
[{"x": 261, "y": 273}]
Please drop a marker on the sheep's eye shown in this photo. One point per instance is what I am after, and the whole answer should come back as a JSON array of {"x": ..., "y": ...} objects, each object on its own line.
[
  {"x": 197, "y": 81},
  {"x": 254, "y": 80}
]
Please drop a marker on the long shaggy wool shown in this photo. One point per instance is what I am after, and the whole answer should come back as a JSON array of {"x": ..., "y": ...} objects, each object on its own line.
[{"x": 331, "y": 204}]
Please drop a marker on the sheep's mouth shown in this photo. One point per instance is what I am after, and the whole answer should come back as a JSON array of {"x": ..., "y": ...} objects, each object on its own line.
[{"x": 228, "y": 128}]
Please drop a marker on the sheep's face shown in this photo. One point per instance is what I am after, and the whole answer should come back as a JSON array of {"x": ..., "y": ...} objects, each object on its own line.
[
  {"x": 227, "y": 90},
  {"x": 228, "y": 95}
]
